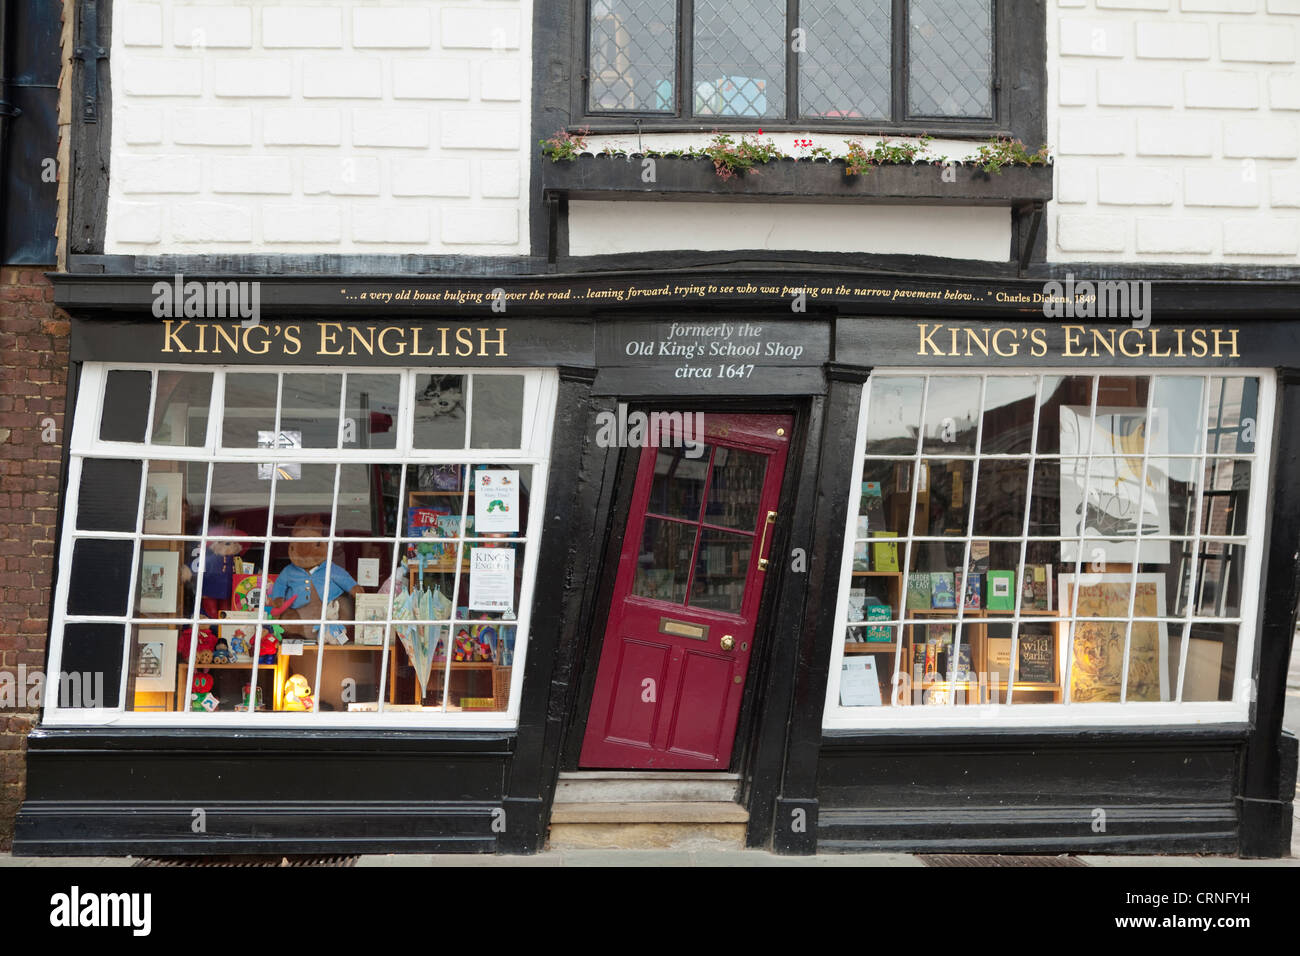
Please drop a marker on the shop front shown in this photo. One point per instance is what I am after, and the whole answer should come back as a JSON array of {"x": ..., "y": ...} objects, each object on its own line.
[{"x": 919, "y": 565}]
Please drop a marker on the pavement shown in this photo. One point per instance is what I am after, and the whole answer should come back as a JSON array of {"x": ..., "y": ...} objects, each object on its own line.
[{"x": 710, "y": 857}]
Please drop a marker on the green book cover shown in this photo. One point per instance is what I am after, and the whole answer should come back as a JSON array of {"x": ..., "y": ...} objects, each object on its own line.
[
  {"x": 1001, "y": 595},
  {"x": 885, "y": 555},
  {"x": 879, "y": 632},
  {"x": 918, "y": 591}
]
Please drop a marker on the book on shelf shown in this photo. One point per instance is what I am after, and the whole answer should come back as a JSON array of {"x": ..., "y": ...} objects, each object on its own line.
[
  {"x": 974, "y": 591},
  {"x": 872, "y": 514},
  {"x": 1036, "y": 592},
  {"x": 885, "y": 554},
  {"x": 943, "y": 594},
  {"x": 999, "y": 595},
  {"x": 979, "y": 555},
  {"x": 857, "y": 604},
  {"x": 879, "y": 611},
  {"x": 918, "y": 591},
  {"x": 965, "y": 669}
]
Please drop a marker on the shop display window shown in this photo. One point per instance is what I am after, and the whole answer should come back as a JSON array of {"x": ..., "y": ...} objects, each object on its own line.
[
  {"x": 1051, "y": 547},
  {"x": 339, "y": 546}
]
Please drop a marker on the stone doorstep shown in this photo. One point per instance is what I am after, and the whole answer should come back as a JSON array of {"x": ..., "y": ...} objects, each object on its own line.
[
  {"x": 636, "y": 836},
  {"x": 637, "y": 812},
  {"x": 624, "y": 787}
]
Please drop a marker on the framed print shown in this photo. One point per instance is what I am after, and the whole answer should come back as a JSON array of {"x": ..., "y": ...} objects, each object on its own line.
[
  {"x": 158, "y": 576},
  {"x": 162, "y": 503},
  {"x": 155, "y": 660},
  {"x": 903, "y": 482},
  {"x": 1101, "y": 488},
  {"x": 1097, "y": 667},
  {"x": 371, "y": 608}
]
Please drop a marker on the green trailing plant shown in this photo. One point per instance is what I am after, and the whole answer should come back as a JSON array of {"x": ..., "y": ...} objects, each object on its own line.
[
  {"x": 732, "y": 157},
  {"x": 859, "y": 160},
  {"x": 565, "y": 145},
  {"x": 999, "y": 152}
]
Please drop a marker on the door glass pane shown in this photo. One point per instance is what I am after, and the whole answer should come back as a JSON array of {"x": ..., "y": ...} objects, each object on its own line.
[
  {"x": 950, "y": 54},
  {"x": 734, "y": 488},
  {"x": 678, "y": 483},
  {"x": 844, "y": 71},
  {"x": 633, "y": 50},
  {"x": 739, "y": 58},
  {"x": 664, "y": 564},
  {"x": 720, "y": 571}
]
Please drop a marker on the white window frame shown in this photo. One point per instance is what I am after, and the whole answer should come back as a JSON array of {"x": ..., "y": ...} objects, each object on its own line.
[
  {"x": 539, "y": 401},
  {"x": 1039, "y": 715}
]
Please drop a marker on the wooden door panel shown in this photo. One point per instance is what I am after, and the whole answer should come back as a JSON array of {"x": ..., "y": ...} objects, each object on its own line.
[
  {"x": 699, "y": 722},
  {"x": 630, "y": 720}
]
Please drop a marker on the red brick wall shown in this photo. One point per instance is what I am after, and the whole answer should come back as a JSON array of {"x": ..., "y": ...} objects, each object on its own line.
[{"x": 33, "y": 374}]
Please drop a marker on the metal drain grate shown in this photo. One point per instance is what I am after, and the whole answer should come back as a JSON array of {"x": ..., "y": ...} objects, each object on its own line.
[
  {"x": 250, "y": 860},
  {"x": 992, "y": 859}
]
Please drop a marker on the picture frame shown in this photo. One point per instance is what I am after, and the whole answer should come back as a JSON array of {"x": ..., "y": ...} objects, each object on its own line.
[
  {"x": 1097, "y": 661},
  {"x": 1101, "y": 484},
  {"x": 159, "y": 573},
  {"x": 371, "y": 611},
  {"x": 164, "y": 503},
  {"x": 155, "y": 660}
]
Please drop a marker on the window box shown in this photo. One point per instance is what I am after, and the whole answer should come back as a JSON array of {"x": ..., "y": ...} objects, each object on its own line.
[{"x": 788, "y": 180}]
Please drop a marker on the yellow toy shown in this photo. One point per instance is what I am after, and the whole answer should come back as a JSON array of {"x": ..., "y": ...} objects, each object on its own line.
[{"x": 297, "y": 694}]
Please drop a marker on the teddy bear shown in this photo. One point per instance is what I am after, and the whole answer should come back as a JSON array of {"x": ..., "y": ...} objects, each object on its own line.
[
  {"x": 218, "y": 565},
  {"x": 221, "y": 653},
  {"x": 203, "y": 647},
  {"x": 309, "y": 581}
]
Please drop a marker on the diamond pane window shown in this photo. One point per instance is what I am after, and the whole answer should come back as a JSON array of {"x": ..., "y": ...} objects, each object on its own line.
[
  {"x": 950, "y": 58},
  {"x": 845, "y": 70},
  {"x": 633, "y": 55},
  {"x": 739, "y": 58}
]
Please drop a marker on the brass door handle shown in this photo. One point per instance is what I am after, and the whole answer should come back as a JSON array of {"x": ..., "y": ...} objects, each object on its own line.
[
  {"x": 762, "y": 545},
  {"x": 727, "y": 642}
]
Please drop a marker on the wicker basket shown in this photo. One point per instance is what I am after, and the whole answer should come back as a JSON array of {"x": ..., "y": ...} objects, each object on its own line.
[{"x": 501, "y": 687}]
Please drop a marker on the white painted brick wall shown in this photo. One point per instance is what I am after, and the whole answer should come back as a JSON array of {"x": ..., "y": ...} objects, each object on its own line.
[
  {"x": 341, "y": 126},
  {"x": 1176, "y": 130}
]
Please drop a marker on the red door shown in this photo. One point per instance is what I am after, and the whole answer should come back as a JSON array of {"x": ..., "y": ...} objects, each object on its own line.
[{"x": 682, "y": 621}]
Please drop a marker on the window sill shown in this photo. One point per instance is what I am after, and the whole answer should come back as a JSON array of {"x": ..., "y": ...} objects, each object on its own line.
[{"x": 790, "y": 180}]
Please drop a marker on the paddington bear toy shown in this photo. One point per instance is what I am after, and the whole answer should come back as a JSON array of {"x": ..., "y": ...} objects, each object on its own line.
[{"x": 308, "y": 582}]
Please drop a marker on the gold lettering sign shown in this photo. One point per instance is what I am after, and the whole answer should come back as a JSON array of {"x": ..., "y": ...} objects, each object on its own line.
[
  {"x": 937, "y": 340},
  {"x": 331, "y": 340}
]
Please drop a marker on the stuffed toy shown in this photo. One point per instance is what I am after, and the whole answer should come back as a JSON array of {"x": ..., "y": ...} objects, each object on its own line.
[
  {"x": 297, "y": 694},
  {"x": 269, "y": 644},
  {"x": 205, "y": 646},
  {"x": 221, "y": 653},
  {"x": 201, "y": 696},
  {"x": 309, "y": 582},
  {"x": 218, "y": 565}
]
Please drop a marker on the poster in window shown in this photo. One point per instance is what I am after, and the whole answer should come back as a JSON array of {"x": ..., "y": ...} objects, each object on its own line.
[
  {"x": 492, "y": 579},
  {"x": 281, "y": 439},
  {"x": 162, "y": 503},
  {"x": 1097, "y": 667},
  {"x": 1103, "y": 496},
  {"x": 155, "y": 660},
  {"x": 496, "y": 502}
]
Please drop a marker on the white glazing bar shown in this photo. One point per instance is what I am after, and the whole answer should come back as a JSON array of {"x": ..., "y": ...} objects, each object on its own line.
[
  {"x": 1078, "y": 557},
  {"x": 1137, "y": 540},
  {"x": 1010, "y": 675},
  {"x": 1193, "y": 600}
]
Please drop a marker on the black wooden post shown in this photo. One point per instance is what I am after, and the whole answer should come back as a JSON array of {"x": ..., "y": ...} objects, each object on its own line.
[
  {"x": 794, "y": 823},
  {"x": 1268, "y": 789},
  {"x": 564, "y": 565}
]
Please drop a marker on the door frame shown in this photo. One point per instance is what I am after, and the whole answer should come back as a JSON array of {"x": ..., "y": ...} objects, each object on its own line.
[{"x": 588, "y": 659}]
